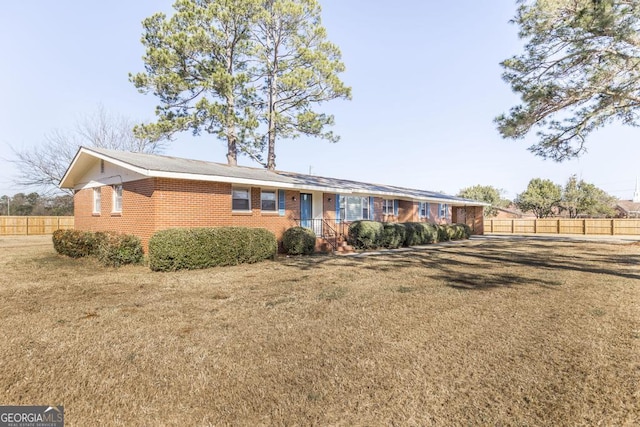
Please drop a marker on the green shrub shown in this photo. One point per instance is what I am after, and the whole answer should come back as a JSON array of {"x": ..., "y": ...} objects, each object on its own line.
[
  {"x": 74, "y": 243},
  {"x": 365, "y": 234},
  {"x": 443, "y": 233},
  {"x": 194, "y": 248},
  {"x": 420, "y": 233},
  {"x": 115, "y": 249},
  {"x": 299, "y": 241},
  {"x": 111, "y": 248},
  {"x": 456, "y": 231},
  {"x": 393, "y": 235},
  {"x": 466, "y": 230}
]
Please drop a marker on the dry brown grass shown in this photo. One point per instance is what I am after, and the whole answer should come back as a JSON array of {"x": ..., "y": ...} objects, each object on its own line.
[{"x": 497, "y": 332}]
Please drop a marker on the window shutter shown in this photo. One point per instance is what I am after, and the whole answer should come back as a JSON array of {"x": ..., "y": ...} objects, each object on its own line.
[
  {"x": 395, "y": 207},
  {"x": 371, "y": 215},
  {"x": 337, "y": 208},
  {"x": 281, "y": 205}
]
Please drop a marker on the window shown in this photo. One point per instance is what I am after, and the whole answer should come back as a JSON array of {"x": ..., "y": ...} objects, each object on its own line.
[
  {"x": 424, "y": 210},
  {"x": 354, "y": 208},
  {"x": 443, "y": 210},
  {"x": 117, "y": 198},
  {"x": 388, "y": 207},
  {"x": 241, "y": 199},
  {"x": 97, "y": 196},
  {"x": 268, "y": 201}
]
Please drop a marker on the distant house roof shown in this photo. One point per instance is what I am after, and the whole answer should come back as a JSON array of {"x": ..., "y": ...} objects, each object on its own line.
[
  {"x": 152, "y": 165},
  {"x": 512, "y": 211},
  {"x": 628, "y": 206}
]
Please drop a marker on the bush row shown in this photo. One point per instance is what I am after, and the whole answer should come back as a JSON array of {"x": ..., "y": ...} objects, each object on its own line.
[
  {"x": 195, "y": 248},
  {"x": 111, "y": 248},
  {"x": 373, "y": 234}
]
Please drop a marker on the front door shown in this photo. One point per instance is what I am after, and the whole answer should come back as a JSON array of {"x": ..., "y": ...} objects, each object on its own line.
[{"x": 306, "y": 208}]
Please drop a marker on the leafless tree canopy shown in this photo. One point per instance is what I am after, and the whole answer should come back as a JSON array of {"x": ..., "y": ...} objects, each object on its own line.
[{"x": 43, "y": 166}]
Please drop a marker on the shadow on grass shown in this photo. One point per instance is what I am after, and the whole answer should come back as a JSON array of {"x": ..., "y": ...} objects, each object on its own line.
[{"x": 481, "y": 266}]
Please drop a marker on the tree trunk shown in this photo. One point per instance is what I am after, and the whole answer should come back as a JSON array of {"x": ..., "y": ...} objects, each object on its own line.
[
  {"x": 271, "y": 135},
  {"x": 271, "y": 152},
  {"x": 232, "y": 153},
  {"x": 232, "y": 136}
]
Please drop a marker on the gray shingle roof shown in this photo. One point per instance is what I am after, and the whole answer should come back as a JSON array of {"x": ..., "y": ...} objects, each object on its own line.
[
  {"x": 167, "y": 164},
  {"x": 154, "y": 162}
]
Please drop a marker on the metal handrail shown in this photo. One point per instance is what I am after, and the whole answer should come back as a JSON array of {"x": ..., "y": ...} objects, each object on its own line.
[{"x": 324, "y": 230}]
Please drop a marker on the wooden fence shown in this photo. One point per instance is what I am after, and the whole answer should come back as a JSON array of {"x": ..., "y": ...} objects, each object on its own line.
[
  {"x": 31, "y": 225},
  {"x": 602, "y": 227}
]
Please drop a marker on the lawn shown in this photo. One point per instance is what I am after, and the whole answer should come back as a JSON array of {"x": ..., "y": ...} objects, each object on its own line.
[{"x": 489, "y": 332}]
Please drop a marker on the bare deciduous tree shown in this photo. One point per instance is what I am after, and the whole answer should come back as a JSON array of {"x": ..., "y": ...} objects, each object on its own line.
[{"x": 44, "y": 165}]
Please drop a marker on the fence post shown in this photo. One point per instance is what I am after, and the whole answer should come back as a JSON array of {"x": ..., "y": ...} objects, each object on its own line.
[
  {"x": 513, "y": 226},
  {"x": 613, "y": 227},
  {"x": 27, "y": 227},
  {"x": 584, "y": 226},
  {"x": 558, "y": 227},
  {"x": 535, "y": 226}
]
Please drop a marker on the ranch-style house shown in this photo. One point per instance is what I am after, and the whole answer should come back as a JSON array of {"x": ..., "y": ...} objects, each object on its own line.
[{"x": 140, "y": 194}]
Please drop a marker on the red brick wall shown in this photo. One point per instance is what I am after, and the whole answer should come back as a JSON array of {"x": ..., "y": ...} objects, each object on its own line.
[
  {"x": 407, "y": 211},
  {"x": 473, "y": 216},
  {"x": 154, "y": 204},
  {"x": 329, "y": 206},
  {"x": 410, "y": 212},
  {"x": 137, "y": 215},
  {"x": 158, "y": 203}
]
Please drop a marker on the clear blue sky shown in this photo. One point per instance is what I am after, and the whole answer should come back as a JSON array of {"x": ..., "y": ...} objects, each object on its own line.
[{"x": 426, "y": 86}]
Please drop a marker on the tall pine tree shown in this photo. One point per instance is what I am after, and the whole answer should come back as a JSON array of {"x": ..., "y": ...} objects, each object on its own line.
[
  {"x": 580, "y": 71},
  {"x": 249, "y": 71},
  {"x": 196, "y": 63}
]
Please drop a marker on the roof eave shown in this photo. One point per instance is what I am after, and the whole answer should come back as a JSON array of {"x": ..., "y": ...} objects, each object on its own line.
[{"x": 249, "y": 181}]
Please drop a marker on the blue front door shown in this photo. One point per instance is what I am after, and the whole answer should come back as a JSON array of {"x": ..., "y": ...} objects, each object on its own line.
[{"x": 305, "y": 210}]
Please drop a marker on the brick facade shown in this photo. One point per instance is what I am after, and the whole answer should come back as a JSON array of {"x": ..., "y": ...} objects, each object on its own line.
[
  {"x": 473, "y": 216},
  {"x": 153, "y": 204}
]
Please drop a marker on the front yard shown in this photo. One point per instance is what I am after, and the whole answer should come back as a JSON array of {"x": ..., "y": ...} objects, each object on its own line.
[{"x": 490, "y": 332}]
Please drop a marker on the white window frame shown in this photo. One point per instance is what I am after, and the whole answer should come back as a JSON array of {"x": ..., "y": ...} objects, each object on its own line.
[
  {"x": 348, "y": 214},
  {"x": 274, "y": 200},
  {"x": 248, "y": 191},
  {"x": 97, "y": 200},
  {"x": 117, "y": 198},
  {"x": 388, "y": 207},
  {"x": 425, "y": 209},
  {"x": 443, "y": 210}
]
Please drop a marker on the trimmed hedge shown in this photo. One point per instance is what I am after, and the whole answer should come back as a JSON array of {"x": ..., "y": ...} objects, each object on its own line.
[
  {"x": 372, "y": 234},
  {"x": 299, "y": 241},
  {"x": 420, "y": 233},
  {"x": 393, "y": 235},
  {"x": 111, "y": 248},
  {"x": 195, "y": 248},
  {"x": 115, "y": 249},
  {"x": 74, "y": 243},
  {"x": 365, "y": 234},
  {"x": 456, "y": 231}
]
